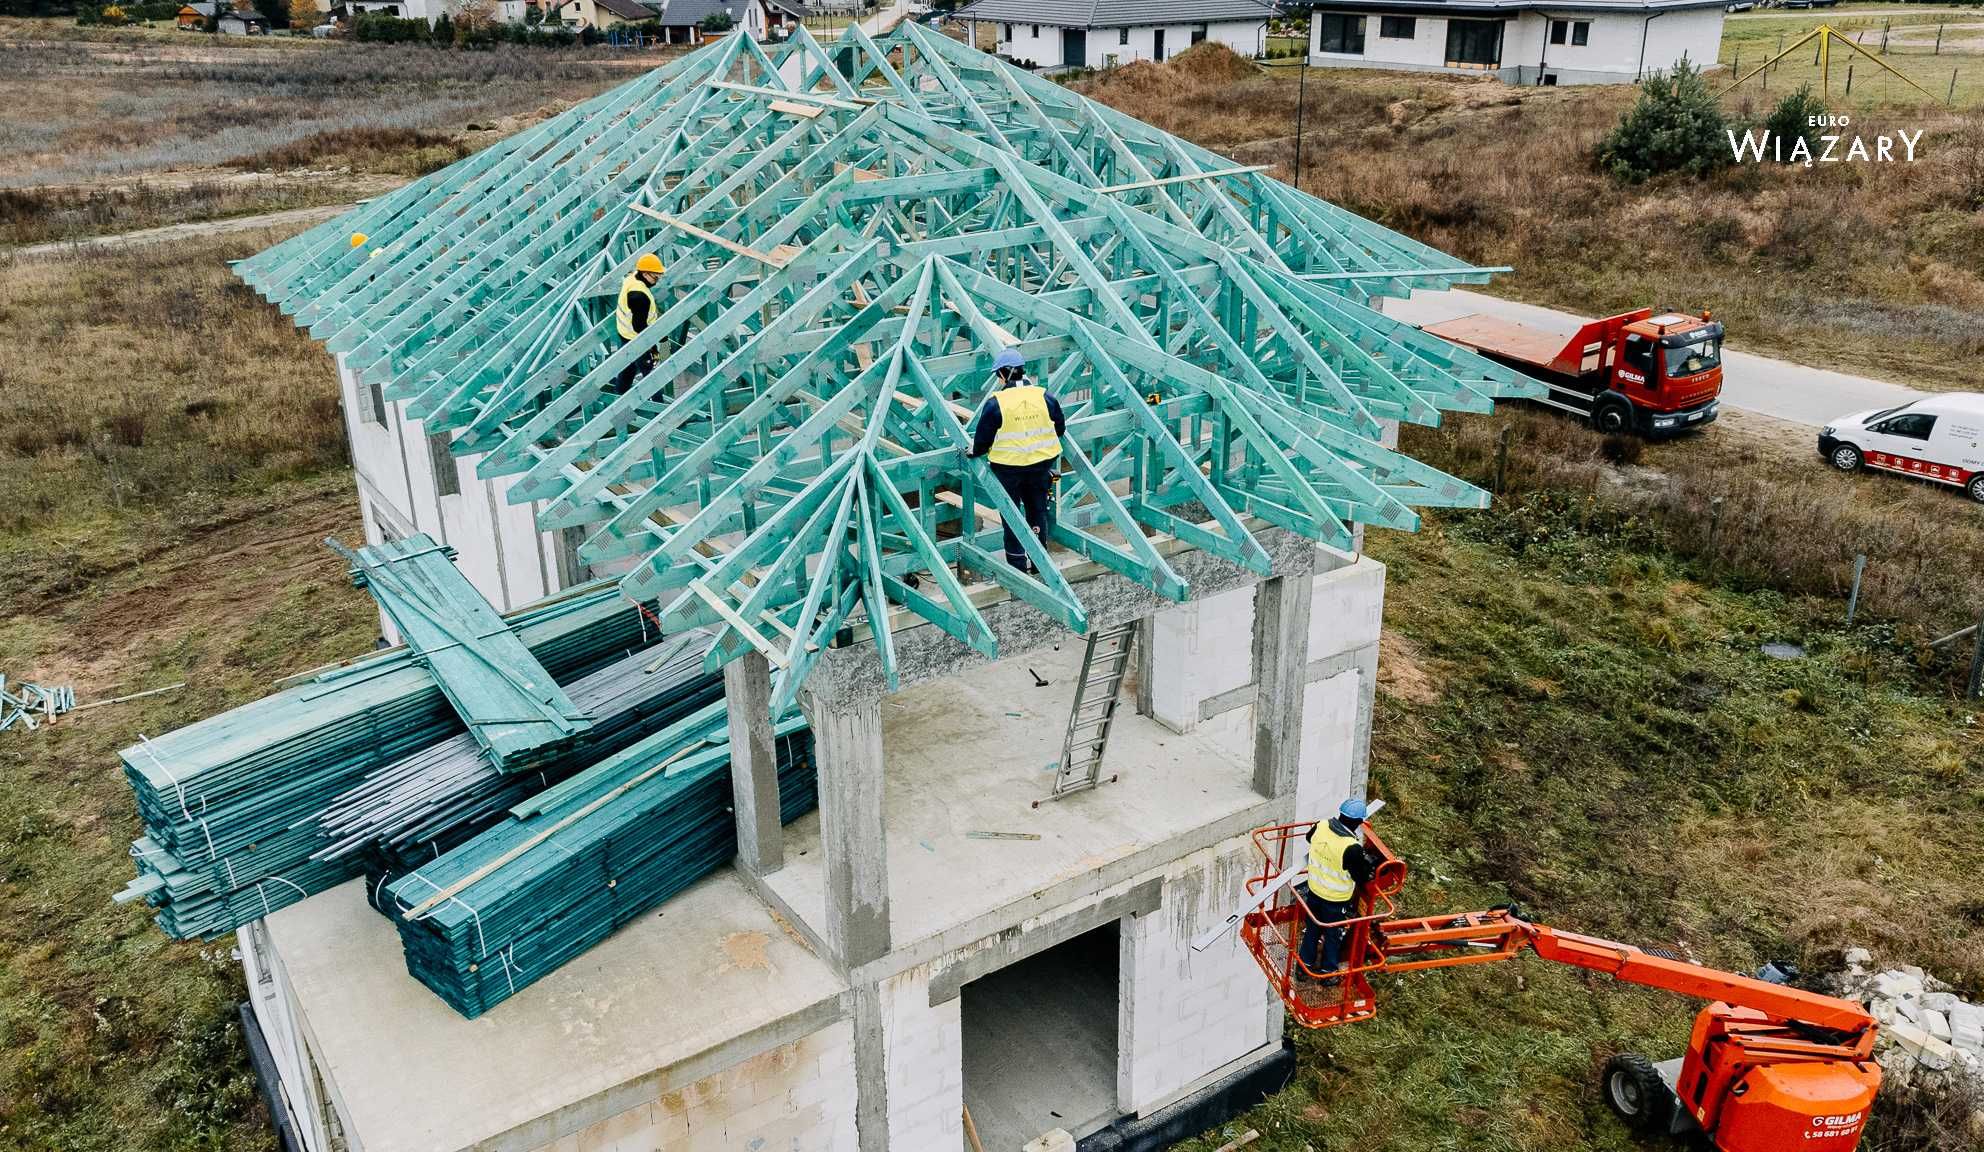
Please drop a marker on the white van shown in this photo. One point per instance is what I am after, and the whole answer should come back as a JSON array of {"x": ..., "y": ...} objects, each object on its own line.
[{"x": 1938, "y": 438}]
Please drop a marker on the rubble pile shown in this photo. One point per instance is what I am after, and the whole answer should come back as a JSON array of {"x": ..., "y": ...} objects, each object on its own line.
[{"x": 1928, "y": 1032}]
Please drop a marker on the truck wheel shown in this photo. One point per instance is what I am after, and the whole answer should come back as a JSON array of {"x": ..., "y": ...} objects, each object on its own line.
[
  {"x": 1637, "y": 1093},
  {"x": 1846, "y": 458},
  {"x": 1612, "y": 417},
  {"x": 1976, "y": 488}
]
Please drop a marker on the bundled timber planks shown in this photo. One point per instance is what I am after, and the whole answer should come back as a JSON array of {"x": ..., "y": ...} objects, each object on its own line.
[
  {"x": 413, "y": 810},
  {"x": 580, "y": 859},
  {"x": 231, "y": 804},
  {"x": 509, "y": 701}
]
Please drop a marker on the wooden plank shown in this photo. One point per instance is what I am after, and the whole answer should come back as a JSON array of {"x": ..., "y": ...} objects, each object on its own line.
[
  {"x": 805, "y": 111},
  {"x": 713, "y": 238},
  {"x": 1161, "y": 181}
]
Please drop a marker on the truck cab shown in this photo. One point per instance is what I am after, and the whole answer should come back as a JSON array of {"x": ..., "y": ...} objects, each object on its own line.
[{"x": 1655, "y": 375}]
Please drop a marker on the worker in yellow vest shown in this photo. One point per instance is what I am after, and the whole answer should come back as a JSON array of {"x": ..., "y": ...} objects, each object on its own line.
[
  {"x": 635, "y": 313},
  {"x": 1019, "y": 431},
  {"x": 1338, "y": 863}
]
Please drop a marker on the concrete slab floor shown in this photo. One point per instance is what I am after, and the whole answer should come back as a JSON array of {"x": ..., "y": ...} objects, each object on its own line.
[
  {"x": 704, "y": 969},
  {"x": 1040, "y": 1043},
  {"x": 972, "y": 752}
]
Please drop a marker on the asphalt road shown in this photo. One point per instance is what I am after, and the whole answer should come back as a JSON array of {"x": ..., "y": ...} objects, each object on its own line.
[{"x": 1776, "y": 388}]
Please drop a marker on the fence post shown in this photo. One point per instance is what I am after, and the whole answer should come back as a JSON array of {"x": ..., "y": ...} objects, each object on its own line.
[
  {"x": 1952, "y": 95},
  {"x": 1853, "y": 601},
  {"x": 1884, "y": 35},
  {"x": 1849, "y": 79},
  {"x": 1502, "y": 456},
  {"x": 1939, "y": 41},
  {"x": 1714, "y": 529},
  {"x": 1977, "y": 662}
]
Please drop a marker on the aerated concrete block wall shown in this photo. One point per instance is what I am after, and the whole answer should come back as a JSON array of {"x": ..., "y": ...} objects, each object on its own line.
[
  {"x": 798, "y": 1096},
  {"x": 924, "y": 1047},
  {"x": 1187, "y": 1015}
]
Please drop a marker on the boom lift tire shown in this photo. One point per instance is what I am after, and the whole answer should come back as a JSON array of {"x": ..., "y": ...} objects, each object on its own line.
[
  {"x": 1614, "y": 417},
  {"x": 1846, "y": 458},
  {"x": 1976, "y": 488},
  {"x": 1636, "y": 1092}
]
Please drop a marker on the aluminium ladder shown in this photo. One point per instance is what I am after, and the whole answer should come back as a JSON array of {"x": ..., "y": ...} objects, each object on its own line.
[{"x": 1103, "y": 668}]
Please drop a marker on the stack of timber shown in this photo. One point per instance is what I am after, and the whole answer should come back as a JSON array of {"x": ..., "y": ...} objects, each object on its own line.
[
  {"x": 510, "y": 702},
  {"x": 580, "y": 859},
  {"x": 231, "y": 805},
  {"x": 412, "y": 811}
]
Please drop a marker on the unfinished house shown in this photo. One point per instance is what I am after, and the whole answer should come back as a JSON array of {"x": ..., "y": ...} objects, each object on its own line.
[{"x": 1033, "y": 790}]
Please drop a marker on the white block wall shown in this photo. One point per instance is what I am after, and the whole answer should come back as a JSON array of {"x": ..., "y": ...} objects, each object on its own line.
[
  {"x": 1185, "y": 1014},
  {"x": 1199, "y": 650},
  {"x": 1118, "y": 46},
  {"x": 923, "y": 1047},
  {"x": 1611, "y": 53},
  {"x": 797, "y": 1096},
  {"x": 1327, "y": 772},
  {"x": 498, "y": 546}
]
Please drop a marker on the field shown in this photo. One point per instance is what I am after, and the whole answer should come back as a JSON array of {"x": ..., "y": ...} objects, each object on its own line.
[
  {"x": 1939, "y": 49},
  {"x": 139, "y": 127},
  {"x": 1870, "y": 268},
  {"x": 1574, "y": 711}
]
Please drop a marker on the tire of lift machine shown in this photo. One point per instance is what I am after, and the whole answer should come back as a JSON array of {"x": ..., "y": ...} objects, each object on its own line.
[{"x": 1636, "y": 1092}]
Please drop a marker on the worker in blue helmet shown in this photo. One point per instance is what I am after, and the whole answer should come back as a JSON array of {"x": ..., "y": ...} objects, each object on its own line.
[
  {"x": 1338, "y": 863},
  {"x": 1019, "y": 431}
]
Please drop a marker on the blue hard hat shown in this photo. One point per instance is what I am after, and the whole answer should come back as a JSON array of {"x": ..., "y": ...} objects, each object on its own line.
[
  {"x": 1008, "y": 358},
  {"x": 1352, "y": 810}
]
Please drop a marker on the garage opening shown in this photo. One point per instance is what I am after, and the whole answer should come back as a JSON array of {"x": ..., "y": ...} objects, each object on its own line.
[{"x": 1040, "y": 1042}]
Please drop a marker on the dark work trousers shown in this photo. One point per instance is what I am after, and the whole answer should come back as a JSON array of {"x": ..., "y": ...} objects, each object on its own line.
[
  {"x": 642, "y": 365},
  {"x": 1031, "y": 486},
  {"x": 1321, "y": 912}
]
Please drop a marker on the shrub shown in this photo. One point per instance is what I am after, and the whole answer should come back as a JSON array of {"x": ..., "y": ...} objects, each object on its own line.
[
  {"x": 113, "y": 16},
  {"x": 717, "y": 22},
  {"x": 1792, "y": 118},
  {"x": 1674, "y": 126}
]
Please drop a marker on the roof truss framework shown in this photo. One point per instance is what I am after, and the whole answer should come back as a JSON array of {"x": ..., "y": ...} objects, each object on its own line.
[{"x": 851, "y": 230}]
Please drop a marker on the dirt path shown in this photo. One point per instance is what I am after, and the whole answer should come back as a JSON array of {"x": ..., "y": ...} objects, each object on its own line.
[{"x": 297, "y": 216}]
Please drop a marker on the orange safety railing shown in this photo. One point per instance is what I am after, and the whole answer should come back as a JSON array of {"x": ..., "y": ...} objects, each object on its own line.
[{"x": 1273, "y": 932}]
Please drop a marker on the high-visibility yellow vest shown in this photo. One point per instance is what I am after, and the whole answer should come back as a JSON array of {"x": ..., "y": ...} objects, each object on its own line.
[
  {"x": 630, "y": 287},
  {"x": 1026, "y": 429},
  {"x": 1327, "y": 877}
]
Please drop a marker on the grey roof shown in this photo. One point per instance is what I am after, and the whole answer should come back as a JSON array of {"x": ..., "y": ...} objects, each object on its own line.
[
  {"x": 680, "y": 12},
  {"x": 1115, "y": 13},
  {"x": 1516, "y": 7},
  {"x": 204, "y": 8},
  {"x": 627, "y": 9}
]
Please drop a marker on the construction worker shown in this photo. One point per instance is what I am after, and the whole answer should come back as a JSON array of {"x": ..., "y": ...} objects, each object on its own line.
[
  {"x": 1019, "y": 430},
  {"x": 1338, "y": 863},
  {"x": 635, "y": 313}
]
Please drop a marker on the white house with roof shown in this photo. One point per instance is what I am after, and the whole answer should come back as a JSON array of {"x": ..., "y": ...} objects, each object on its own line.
[
  {"x": 1054, "y": 34},
  {"x": 1519, "y": 41}
]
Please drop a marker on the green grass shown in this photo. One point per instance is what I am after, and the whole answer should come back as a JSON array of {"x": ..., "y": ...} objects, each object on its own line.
[
  {"x": 1749, "y": 41},
  {"x": 1604, "y": 743}
]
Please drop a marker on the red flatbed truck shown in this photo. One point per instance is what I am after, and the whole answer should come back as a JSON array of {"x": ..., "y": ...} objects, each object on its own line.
[{"x": 1655, "y": 375}]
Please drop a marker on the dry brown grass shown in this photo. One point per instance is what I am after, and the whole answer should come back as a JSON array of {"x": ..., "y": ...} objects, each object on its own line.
[
  {"x": 1786, "y": 522},
  {"x": 390, "y": 151},
  {"x": 1875, "y": 268},
  {"x": 143, "y": 393}
]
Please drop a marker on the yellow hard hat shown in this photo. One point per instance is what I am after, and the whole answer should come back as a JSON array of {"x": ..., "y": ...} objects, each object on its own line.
[
  {"x": 649, "y": 262},
  {"x": 357, "y": 238}
]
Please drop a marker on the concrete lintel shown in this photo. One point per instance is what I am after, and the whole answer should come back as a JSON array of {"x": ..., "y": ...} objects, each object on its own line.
[
  {"x": 1125, "y": 871},
  {"x": 1281, "y": 660},
  {"x": 924, "y": 652},
  {"x": 1017, "y": 943},
  {"x": 747, "y": 693},
  {"x": 583, "y": 1114},
  {"x": 847, "y": 744},
  {"x": 1321, "y": 669}
]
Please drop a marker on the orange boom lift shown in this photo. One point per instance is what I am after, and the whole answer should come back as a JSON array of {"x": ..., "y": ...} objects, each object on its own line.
[{"x": 1768, "y": 1068}]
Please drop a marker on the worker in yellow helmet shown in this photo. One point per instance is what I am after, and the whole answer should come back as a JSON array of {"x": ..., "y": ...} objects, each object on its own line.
[
  {"x": 635, "y": 313},
  {"x": 1019, "y": 430},
  {"x": 1338, "y": 863}
]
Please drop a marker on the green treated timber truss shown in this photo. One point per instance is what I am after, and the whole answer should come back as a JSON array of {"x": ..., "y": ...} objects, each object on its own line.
[{"x": 851, "y": 230}]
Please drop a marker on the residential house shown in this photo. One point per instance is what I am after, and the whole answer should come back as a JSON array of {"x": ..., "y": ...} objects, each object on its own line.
[
  {"x": 603, "y": 14},
  {"x": 1057, "y": 34},
  {"x": 243, "y": 22},
  {"x": 681, "y": 21},
  {"x": 194, "y": 17},
  {"x": 1519, "y": 41}
]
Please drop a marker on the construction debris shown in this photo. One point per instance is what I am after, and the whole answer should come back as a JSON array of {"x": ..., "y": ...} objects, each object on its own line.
[
  {"x": 23, "y": 703},
  {"x": 1928, "y": 1032}
]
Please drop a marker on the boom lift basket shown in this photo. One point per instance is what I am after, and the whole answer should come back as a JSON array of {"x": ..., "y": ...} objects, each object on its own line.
[{"x": 1273, "y": 931}]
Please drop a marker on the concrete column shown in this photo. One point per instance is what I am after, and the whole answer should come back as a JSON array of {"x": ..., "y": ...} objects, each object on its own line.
[
  {"x": 1281, "y": 665},
  {"x": 847, "y": 743},
  {"x": 747, "y": 695}
]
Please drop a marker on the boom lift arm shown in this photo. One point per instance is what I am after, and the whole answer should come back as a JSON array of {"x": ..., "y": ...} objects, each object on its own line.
[{"x": 1768, "y": 1066}]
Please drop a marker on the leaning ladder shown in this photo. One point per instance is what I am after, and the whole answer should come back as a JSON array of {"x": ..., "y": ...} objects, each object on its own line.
[{"x": 1103, "y": 668}]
